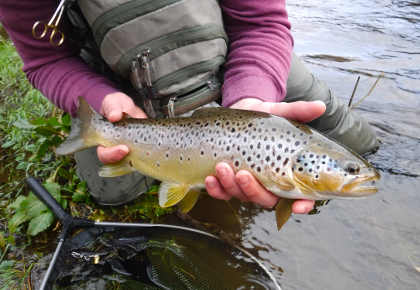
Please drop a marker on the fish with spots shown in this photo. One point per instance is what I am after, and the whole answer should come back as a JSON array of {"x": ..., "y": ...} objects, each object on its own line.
[{"x": 290, "y": 159}]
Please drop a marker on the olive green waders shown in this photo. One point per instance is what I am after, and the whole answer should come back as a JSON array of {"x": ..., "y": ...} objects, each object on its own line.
[{"x": 337, "y": 122}]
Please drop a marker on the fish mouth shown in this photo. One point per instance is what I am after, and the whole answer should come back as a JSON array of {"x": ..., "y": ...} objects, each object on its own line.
[{"x": 362, "y": 185}]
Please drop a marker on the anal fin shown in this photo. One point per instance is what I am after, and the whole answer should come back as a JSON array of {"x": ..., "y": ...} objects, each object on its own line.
[
  {"x": 116, "y": 169},
  {"x": 186, "y": 204},
  {"x": 172, "y": 193},
  {"x": 283, "y": 211}
]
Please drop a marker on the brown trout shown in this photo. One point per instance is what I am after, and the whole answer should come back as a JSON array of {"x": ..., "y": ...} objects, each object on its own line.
[{"x": 290, "y": 159}]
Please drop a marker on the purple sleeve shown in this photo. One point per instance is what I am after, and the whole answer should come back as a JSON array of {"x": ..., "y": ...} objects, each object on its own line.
[
  {"x": 56, "y": 71},
  {"x": 260, "y": 50}
]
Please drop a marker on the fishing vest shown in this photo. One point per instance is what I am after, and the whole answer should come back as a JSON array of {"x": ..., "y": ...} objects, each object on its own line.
[{"x": 171, "y": 51}]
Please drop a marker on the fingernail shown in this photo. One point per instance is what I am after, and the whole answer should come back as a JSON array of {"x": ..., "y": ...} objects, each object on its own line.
[{"x": 243, "y": 180}]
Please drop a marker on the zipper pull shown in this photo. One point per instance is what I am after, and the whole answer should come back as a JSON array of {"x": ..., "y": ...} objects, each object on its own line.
[
  {"x": 141, "y": 78},
  {"x": 136, "y": 76},
  {"x": 145, "y": 65}
]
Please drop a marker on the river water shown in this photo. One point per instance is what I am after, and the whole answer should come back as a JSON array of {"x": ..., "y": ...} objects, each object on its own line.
[{"x": 371, "y": 243}]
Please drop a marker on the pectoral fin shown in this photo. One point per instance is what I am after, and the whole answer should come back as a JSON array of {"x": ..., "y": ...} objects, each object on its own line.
[
  {"x": 189, "y": 201},
  {"x": 116, "y": 169},
  {"x": 283, "y": 211},
  {"x": 172, "y": 193}
]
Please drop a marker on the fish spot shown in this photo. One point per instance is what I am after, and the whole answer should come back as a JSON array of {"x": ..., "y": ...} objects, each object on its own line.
[
  {"x": 130, "y": 163},
  {"x": 297, "y": 143},
  {"x": 258, "y": 169},
  {"x": 267, "y": 158},
  {"x": 237, "y": 163},
  {"x": 285, "y": 161}
]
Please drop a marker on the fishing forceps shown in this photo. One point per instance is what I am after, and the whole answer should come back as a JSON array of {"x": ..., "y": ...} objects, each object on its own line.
[{"x": 40, "y": 28}]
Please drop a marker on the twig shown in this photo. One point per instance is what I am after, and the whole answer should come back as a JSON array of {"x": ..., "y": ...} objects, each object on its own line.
[
  {"x": 368, "y": 94},
  {"x": 354, "y": 91},
  {"x": 4, "y": 253}
]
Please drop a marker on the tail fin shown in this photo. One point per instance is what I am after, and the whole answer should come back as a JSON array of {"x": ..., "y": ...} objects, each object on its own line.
[{"x": 80, "y": 136}]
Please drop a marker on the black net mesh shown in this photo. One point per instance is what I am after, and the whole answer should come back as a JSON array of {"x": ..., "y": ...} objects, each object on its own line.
[{"x": 154, "y": 259}]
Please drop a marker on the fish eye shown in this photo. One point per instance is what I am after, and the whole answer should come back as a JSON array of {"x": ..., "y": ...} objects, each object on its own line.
[{"x": 352, "y": 168}]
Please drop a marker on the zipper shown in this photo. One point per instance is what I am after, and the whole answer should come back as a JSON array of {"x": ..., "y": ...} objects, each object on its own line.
[
  {"x": 209, "y": 91},
  {"x": 187, "y": 72}
]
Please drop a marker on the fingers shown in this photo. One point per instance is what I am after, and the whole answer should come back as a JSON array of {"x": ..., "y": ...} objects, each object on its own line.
[
  {"x": 227, "y": 183},
  {"x": 303, "y": 206},
  {"x": 300, "y": 111},
  {"x": 112, "y": 154},
  {"x": 245, "y": 187},
  {"x": 242, "y": 186},
  {"x": 115, "y": 105},
  {"x": 214, "y": 188},
  {"x": 254, "y": 191}
]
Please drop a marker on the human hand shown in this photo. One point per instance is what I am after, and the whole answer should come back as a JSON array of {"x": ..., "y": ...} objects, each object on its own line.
[
  {"x": 242, "y": 185},
  {"x": 114, "y": 107}
]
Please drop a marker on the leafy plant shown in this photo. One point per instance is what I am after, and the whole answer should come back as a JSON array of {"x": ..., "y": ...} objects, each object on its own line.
[{"x": 30, "y": 208}]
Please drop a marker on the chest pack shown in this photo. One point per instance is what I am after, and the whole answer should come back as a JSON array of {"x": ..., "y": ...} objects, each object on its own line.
[{"x": 170, "y": 50}]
